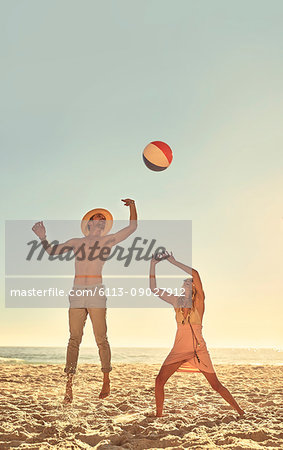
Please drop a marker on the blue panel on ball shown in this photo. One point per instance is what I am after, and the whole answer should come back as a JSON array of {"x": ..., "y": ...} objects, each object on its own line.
[{"x": 152, "y": 166}]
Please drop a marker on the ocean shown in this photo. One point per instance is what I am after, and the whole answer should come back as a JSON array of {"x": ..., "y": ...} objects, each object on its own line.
[{"x": 132, "y": 355}]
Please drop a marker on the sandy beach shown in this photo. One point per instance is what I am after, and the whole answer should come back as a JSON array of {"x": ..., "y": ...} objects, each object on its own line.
[{"x": 32, "y": 415}]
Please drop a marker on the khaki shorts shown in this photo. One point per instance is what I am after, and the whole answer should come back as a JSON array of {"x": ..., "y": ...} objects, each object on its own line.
[{"x": 92, "y": 296}]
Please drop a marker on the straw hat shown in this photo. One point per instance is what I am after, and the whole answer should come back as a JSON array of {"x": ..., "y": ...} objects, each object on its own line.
[{"x": 88, "y": 215}]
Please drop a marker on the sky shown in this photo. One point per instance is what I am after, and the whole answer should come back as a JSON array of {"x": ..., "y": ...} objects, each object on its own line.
[{"x": 85, "y": 86}]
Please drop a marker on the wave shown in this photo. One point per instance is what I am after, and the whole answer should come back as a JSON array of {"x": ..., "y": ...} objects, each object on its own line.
[{"x": 9, "y": 360}]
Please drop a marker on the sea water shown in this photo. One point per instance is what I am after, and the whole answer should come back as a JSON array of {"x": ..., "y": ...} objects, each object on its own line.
[{"x": 132, "y": 355}]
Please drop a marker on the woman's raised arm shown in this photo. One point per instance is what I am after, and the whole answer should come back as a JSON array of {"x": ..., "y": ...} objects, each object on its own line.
[
  {"x": 194, "y": 273},
  {"x": 161, "y": 293}
]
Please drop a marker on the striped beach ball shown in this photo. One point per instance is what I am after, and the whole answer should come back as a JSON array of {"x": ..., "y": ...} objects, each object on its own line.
[{"x": 157, "y": 156}]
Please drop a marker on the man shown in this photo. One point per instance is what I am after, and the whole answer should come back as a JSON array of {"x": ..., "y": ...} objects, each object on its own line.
[{"x": 90, "y": 254}]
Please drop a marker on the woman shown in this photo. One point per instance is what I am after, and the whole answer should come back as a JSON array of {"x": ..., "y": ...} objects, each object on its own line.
[{"x": 189, "y": 353}]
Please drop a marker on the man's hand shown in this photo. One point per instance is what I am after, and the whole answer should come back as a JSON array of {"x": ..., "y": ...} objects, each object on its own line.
[
  {"x": 128, "y": 201},
  {"x": 39, "y": 230}
]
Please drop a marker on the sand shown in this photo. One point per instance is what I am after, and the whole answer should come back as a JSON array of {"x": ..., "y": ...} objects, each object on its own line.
[{"x": 32, "y": 415}]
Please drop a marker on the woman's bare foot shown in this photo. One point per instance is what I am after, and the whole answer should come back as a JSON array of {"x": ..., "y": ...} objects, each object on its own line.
[
  {"x": 105, "y": 391},
  {"x": 150, "y": 414}
]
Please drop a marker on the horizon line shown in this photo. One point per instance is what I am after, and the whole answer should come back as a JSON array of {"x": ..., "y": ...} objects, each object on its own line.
[{"x": 140, "y": 347}]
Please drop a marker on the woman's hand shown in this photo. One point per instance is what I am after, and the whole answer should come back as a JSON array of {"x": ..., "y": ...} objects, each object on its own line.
[
  {"x": 153, "y": 260},
  {"x": 157, "y": 257},
  {"x": 166, "y": 255},
  {"x": 171, "y": 258}
]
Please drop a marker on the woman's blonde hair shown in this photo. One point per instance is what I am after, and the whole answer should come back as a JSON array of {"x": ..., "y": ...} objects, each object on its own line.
[{"x": 194, "y": 293}]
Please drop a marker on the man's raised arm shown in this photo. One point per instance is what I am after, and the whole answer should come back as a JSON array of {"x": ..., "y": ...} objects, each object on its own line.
[
  {"x": 57, "y": 249},
  {"x": 127, "y": 231}
]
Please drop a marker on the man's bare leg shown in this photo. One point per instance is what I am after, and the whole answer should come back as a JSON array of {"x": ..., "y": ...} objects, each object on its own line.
[
  {"x": 69, "y": 391},
  {"x": 105, "y": 391},
  {"x": 223, "y": 391},
  {"x": 164, "y": 374}
]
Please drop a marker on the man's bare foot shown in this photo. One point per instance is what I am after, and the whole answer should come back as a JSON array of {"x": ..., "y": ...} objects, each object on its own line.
[
  {"x": 68, "y": 398},
  {"x": 68, "y": 395},
  {"x": 105, "y": 391}
]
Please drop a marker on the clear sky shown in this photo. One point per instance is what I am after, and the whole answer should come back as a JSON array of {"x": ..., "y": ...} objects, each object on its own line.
[{"x": 86, "y": 85}]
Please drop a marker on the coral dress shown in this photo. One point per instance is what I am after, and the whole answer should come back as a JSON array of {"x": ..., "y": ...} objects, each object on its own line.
[{"x": 189, "y": 345}]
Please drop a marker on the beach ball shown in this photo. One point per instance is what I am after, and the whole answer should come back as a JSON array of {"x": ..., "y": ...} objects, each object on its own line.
[{"x": 157, "y": 156}]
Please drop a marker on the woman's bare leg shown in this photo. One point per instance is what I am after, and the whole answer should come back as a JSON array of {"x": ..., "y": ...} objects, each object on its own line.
[
  {"x": 222, "y": 390},
  {"x": 164, "y": 374}
]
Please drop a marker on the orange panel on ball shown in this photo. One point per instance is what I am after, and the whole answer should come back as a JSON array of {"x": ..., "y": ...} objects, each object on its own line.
[{"x": 155, "y": 156}]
